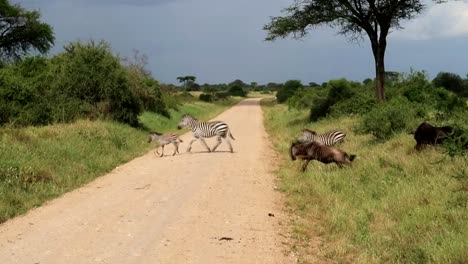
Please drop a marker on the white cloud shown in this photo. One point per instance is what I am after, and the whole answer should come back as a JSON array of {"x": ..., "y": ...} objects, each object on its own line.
[{"x": 439, "y": 21}]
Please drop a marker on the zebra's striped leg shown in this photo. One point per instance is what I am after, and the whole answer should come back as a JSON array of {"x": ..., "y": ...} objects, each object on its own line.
[
  {"x": 229, "y": 143},
  {"x": 190, "y": 144},
  {"x": 162, "y": 151},
  {"x": 176, "y": 148},
  {"x": 156, "y": 151},
  {"x": 217, "y": 144},
  {"x": 204, "y": 143}
]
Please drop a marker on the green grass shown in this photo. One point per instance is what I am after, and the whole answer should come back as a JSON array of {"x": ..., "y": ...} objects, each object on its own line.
[
  {"x": 394, "y": 205},
  {"x": 41, "y": 163}
]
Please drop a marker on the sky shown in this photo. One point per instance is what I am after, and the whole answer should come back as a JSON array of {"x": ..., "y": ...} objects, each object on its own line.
[{"x": 219, "y": 41}]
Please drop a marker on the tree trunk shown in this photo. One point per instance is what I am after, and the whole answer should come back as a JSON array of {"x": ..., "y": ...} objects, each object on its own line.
[{"x": 379, "y": 55}]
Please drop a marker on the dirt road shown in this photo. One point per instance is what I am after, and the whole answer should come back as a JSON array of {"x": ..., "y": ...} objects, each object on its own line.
[{"x": 181, "y": 209}]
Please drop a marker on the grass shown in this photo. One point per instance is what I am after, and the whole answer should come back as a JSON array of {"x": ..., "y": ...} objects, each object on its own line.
[
  {"x": 394, "y": 205},
  {"x": 41, "y": 163}
]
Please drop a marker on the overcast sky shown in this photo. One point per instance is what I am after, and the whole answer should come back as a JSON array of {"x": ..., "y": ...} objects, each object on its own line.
[{"x": 221, "y": 40}]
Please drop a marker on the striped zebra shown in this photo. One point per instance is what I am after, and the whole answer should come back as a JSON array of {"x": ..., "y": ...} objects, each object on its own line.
[
  {"x": 164, "y": 139},
  {"x": 330, "y": 138},
  {"x": 202, "y": 130}
]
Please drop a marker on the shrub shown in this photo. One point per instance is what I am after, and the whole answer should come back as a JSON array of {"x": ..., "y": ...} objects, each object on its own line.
[
  {"x": 222, "y": 95},
  {"x": 92, "y": 74},
  {"x": 386, "y": 119},
  {"x": 338, "y": 90},
  {"x": 305, "y": 98},
  {"x": 288, "y": 90},
  {"x": 360, "y": 103},
  {"x": 24, "y": 98},
  {"x": 452, "y": 82},
  {"x": 206, "y": 97},
  {"x": 237, "y": 90},
  {"x": 417, "y": 89}
]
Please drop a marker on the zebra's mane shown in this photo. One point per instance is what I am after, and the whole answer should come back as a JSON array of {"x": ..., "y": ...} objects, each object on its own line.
[
  {"x": 155, "y": 133},
  {"x": 189, "y": 116},
  {"x": 309, "y": 131}
]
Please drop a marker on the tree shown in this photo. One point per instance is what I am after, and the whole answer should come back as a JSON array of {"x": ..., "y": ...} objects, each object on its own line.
[
  {"x": 21, "y": 31},
  {"x": 237, "y": 90},
  {"x": 354, "y": 18},
  {"x": 193, "y": 86},
  {"x": 452, "y": 82},
  {"x": 186, "y": 80},
  {"x": 237, "y": 82},
  {"x": 313, "y": 84},
  {"x": 253, "y": 85},
  {"x": 288, "y": 90}
]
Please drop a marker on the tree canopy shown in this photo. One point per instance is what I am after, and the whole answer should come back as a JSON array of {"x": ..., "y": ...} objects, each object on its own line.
[
  {"x": 353, "y": 18},
  {"x": 21, "y": 31}
]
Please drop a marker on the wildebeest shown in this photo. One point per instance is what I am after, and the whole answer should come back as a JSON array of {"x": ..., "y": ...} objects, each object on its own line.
[
  {"x": 427, "y": 134},
  {"x": 315, "y": 150}
]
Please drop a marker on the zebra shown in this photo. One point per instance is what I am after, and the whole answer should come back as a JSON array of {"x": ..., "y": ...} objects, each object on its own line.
[
  {"x": 330, "y": 138},
  {"x": 202, "y": 130},
  {"x": 165, "y": 139}
]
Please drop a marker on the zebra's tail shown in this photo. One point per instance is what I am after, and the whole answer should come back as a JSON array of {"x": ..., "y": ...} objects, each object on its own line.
[{"x": 230, "y": 135}]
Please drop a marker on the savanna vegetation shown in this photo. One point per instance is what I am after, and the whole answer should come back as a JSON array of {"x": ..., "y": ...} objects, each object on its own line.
[
  {"x": 55, "y": 110},
  {"x": 395, "y": 204},
  {"x": 356, "y": 19}
]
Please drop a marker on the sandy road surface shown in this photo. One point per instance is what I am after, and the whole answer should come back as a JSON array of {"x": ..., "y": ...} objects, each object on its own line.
[{"x": 165, "y": 210}]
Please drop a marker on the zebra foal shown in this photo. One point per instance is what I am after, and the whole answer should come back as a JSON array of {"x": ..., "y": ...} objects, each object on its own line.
[
  {"x": 164, "y": 139},
  {"x": 202, "y": 130},
  {"x": 330, "y": 138}
]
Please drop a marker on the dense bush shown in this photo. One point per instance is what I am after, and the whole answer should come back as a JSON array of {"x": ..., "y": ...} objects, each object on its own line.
[
  {"x": 386, "y": 119},
  {"x": 338, "y": 97},
  {"x": 237, "y": 90},
  {"x": 86, "y": 80},
  {"x": 416, "y": 87},
  {"x": 452, "y": 82},
  {"x": 92, "y": 74},
  {"x": 358, "y": 104},
  {"x": 24, "y": 94},
  {"x": 306, "y": 98},
  {"x": 205, "y": 97},
  {"x": 288, "y": 90},
  {"x": 222, "y": 95}
]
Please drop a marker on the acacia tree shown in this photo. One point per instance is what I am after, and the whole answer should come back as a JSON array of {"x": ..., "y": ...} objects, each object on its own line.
[
  {"x": 21, "y": 31},
  {"x": 354, "y": 18},
  {"x": 186, "y": 80}
]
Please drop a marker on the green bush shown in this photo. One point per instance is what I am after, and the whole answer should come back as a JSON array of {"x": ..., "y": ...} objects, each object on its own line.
[
  {"x": 389, "y": 118},
  {"x": 416, "y": 87},
  {"x": 91, "y": 73},
  {"x": 360, "y": 103},
  {"x": 452, "y": 82},
  {"x": 288, "y": 90},
  {"x": 237, "y": 90},
  {"x": 222, "y": 95},
  {"x": 86, "y": 80},
  {"x": 338, "y": 90},
  {"x": 24, "y": 97},
  {"x": 305, "y": 98},
  {"x": 206, "y": 97}
]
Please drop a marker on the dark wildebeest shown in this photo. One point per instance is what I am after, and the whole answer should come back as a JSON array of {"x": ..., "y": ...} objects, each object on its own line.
[
  {"x": 315, "y": 150},
  {"x": 427, "y": 134}
]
